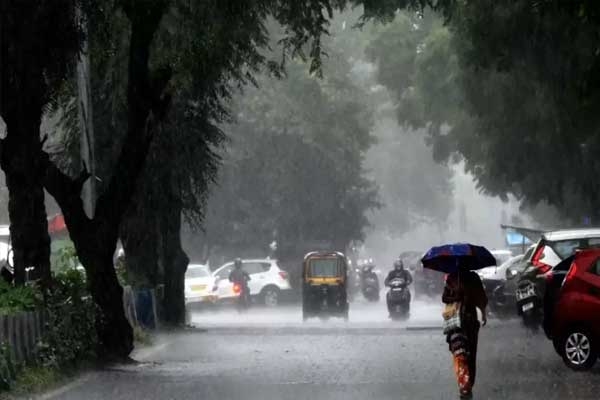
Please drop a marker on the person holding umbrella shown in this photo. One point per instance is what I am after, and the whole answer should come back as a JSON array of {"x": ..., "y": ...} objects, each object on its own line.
[{"x": 463, "y": 295}]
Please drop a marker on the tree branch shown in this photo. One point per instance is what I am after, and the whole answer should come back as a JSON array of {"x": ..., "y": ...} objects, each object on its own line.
[
  {"x": 146, "y": 103},
  {"x": 67, "y": 193}
]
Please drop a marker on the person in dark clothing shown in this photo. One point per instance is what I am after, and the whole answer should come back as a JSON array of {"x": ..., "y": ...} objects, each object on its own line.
[
  {"x": 465, "y": 290},
  {"x": 238, "y": 275},
  {"x": 368, "y": 273},
  {"x": 240, "y": 278},
  {"x": 398, "y": 272}
]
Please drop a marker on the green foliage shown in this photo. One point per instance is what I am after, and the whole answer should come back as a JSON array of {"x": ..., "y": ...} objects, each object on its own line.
[
  {"x": 294, "y": 170},
  {"x": 531, "y": 87},
  {"x": 16, "y": 299},
  {"x": 65, "y": 258},
  {"x": 35, "y": 379},
  {"x": 8, "y": 372},
  {"x": 70, "y": 335},
  {"x": 511, "y": 88}
]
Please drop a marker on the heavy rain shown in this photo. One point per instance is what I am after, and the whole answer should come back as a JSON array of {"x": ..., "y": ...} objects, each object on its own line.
[{"x": 299, "y": 199}]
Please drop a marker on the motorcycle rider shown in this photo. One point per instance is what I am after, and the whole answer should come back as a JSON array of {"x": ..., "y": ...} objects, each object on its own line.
[
  {"x": 398, "y": 272},
  {"x": 240, "y": 277},
  {"x": 368, "y": 274}
]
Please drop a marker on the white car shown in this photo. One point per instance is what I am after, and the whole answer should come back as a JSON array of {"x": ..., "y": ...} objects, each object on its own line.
[
  {"x": 267, "y": 281},
  {"x": 553, "y": 247},
  {"x": 498, "y": 273},
  {"x": 200, "y": 285},
  {"x": 501, "y": 256}
]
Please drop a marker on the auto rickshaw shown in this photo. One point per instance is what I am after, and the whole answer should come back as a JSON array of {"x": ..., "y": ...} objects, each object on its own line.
[{"x": 324, "y": 282}]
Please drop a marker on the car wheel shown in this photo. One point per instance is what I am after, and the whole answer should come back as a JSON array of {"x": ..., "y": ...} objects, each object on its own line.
[
  {"x": 270, "y": 296},
  {"x": 578, "y": 349}
]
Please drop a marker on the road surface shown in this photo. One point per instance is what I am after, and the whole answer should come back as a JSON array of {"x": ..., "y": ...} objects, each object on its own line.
[{"x": 270, "y": 354}]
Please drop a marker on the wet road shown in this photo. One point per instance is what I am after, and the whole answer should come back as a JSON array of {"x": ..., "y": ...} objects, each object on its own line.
[{"x": 269, "y": 354}]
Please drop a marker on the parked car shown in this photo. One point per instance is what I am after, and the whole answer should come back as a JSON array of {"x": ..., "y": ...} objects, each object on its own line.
[
  {"x": 494, "y": 274},
  {"x": 497, "y": 274},
  {"x": 494, "y": 279},
  {"x": 503, "y": 300},
  {"x": 517, "y": 268},
  {"x": 200, "y": 285},
  {"x": 501, "y": 256},
  {"x": 576, "y": 324},
  {"x": 268, "y": 283},
  {"x": 552, "y": 248},
  {"x": 553, "y": 281}
]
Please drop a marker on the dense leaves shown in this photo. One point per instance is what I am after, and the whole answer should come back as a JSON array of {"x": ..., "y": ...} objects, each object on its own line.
[
  {"x": 16, "y": 299},
  {"x": 70, "y": 336},
  {"x": 294, "y": 170},
  {"x": 531, "y": 85},
  {"x": 509, "y": 87}
]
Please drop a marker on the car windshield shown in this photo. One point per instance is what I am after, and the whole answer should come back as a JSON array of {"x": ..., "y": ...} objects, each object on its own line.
[
  {"x": 564, "y": 248},
  {"x": 324, "y": 267},
  {"x": 197, "y": 272}
]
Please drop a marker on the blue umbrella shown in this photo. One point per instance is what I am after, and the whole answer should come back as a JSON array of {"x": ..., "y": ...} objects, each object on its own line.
[{"x": 453, "y": 257}]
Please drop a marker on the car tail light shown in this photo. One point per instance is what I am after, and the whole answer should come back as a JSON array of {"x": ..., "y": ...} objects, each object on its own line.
[
  {"x": 237, "y": 289},
  {"x": 571, "y": 273},
  {"x": 283, "y": 275},
  {"x": 535, "y": 260}
]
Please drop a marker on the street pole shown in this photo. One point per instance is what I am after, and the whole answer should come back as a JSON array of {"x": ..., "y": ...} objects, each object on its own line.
[{"x": 88, "y": 193}]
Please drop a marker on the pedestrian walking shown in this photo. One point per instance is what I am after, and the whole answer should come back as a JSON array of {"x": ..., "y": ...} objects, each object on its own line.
[{"x": 463, "y": 295}]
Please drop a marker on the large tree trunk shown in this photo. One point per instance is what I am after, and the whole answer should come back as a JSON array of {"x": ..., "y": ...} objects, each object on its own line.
[
  {"x": 175, "y": 262},
  {"x": 95, "y": 240},
  {"x": 115, "y": 335},
  {"x": 29, "y": 225},
  {"x": 140, "y": 242},
  {"x": 22, "y": 92}
]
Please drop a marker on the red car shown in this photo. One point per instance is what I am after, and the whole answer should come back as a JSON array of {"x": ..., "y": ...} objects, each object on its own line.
[{"x": 576, "y": 322}]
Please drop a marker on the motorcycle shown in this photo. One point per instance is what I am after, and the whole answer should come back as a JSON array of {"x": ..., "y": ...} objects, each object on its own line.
[
  {"x": 529, "y": 305},
  {"x": 370, "y": 288},
  {"x": 398, "y": 299},
  {"x": 353, "y": 283},
  {"x": 243, "y": 296},
  {"x": 501, "y": 305}
]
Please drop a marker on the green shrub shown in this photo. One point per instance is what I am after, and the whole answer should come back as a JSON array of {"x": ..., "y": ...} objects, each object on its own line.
[
  {"x": 17, "y": 299},
  {"x": 33, "y": 379},
  {"x": 7, "y": 369},
  {"x": 65, "y": 258},
  {"x": 70, "y": 335}
]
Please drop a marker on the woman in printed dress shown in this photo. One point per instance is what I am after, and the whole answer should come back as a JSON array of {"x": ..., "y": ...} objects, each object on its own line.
[{"x": 466, "y": 289}]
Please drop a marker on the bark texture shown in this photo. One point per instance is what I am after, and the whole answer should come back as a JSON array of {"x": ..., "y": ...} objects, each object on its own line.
[{"x": 95, "y": 239}]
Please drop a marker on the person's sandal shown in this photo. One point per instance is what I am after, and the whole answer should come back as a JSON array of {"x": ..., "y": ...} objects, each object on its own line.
[{"x": 464, "y": 395}]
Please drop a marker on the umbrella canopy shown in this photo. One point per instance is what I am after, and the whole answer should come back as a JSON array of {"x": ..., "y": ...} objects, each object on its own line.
[{"x": 453, "y": 257}]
